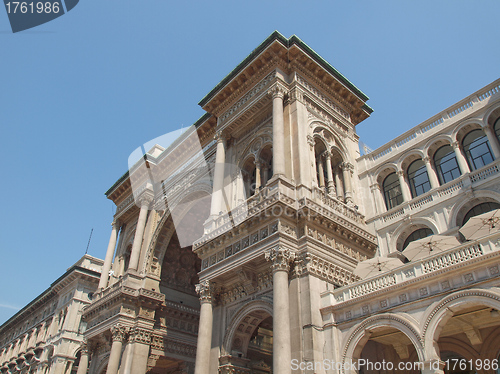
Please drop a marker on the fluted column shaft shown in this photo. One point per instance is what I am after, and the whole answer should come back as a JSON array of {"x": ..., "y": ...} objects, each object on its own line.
[
  {"x": 433, "y": 179},
  {"x": 280, "y": 258},
  {"x": 139, "y": 233},
  {"x": 278, "y": 94},
  {"x": 492, "y": 139},
  {"x": 118, "y": 335},
  {"x": 202, "y": 364},
  {"x": 103, "y": 282},
  {"x": 462, "y": 162},
  {"x": 405, "y": 190},
  {"x": 218, "y": 183}
]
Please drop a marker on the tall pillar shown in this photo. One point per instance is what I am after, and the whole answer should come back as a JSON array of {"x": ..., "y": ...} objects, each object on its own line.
[
  {"x": 433, "y": 179},
  {"x": 405, "y": 190},
  {"x": 84, "y": 360},
  {"x": 118, "y": 335},
  {"x": 204, "y": 290},
  {"x": 280, "y": 258},
  {"x": 329, "y": 173},
  {"x": 462, "y": 162},
  {"x": 321, "y": 172},
  {"x": 139, "y": 232},
  {"x": 278, "y": 93},
  {"x": 258, "y": 183},
  {"x": 218, "y": 183},
  {"x": 103, "y": 282},
  {"x": 347, "y": 170},
  {"x": 339, "y": 185},
  {"x": 492, "y": 139}
]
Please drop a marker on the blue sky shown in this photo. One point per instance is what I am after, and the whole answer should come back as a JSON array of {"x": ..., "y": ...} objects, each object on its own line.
[{"x": 80, "y": 93}]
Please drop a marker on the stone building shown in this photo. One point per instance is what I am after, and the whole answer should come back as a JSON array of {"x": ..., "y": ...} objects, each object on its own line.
[
  {"x": 233, "y": 249},
  {"x": 46, "y": 336}
]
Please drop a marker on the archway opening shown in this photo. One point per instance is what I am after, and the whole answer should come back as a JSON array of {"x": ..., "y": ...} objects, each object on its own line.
[{"x": 390, "y": 346}]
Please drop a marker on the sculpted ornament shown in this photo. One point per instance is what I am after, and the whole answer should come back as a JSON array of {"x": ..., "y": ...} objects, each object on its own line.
[
  {"x": 277, "y": 91},
  {"x": 280, "y": 258},
  {"x": 205, "y": 291},
  {"x": 118, "y": 332}
]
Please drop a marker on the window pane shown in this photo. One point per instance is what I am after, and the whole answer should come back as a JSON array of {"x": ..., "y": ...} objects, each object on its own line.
[
  {"x": 480, "y": 209},
  {"x": 446, "y": 164},
  {"x": 418, "y": 178},
  {"x": 392, "y": 191},
  {"x": 477, "y": 149}
]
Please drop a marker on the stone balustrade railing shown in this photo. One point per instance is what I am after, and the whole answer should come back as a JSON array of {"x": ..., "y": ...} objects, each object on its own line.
[
  {"x": 442, "y": 119},
  {"x": 445, "y": 191},
  {"x": 411, "y": 271}
]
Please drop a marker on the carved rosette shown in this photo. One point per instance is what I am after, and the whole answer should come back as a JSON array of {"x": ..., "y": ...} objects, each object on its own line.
[
  {"x": 277, "y": 91},
  {"x": 205, "y": 291},
  {"x": 280, "y": 258},
  {"x": 119, "y": 332}
]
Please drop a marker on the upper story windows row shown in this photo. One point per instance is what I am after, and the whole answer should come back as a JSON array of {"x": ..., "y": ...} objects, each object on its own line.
[{"x": 446, "y": 159}]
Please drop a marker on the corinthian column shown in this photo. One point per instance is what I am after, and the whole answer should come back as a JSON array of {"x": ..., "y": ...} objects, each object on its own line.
[
  {"x": 118, "y": 335},
  {"x": 278, "y": 93},
  {"x": 139, "y": 232},
  {"x": 103, "y": 282},
  {"x": 280, "y": 259},
  {"x": 204, "y": 290}
]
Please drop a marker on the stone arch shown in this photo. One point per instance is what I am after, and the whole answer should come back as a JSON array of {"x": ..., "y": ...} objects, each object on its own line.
[
  {"x": 465, "y": 127},
  {"x": 435, "y": 143},
  {"x": 102, "y": 363},
  {"x": 165, "y": 229},
  {"x": 359, "y": 335},
  {"x": 408, "y": 157},
  {"x": 491, "y": 116},
  {"x": 238, "y": 319},
  {"x": 261, "y": 139},
  {"x": 408, "y": 226},
  {"x": 492, "y": 340},
  {"x": 461, "y": 208},
  {"x": 383, "y": 171},
  {"x": 439, "y": 313}
]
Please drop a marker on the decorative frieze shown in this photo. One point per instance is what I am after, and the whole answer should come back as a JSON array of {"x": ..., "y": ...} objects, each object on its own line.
[{"x": 323, "y": 269}]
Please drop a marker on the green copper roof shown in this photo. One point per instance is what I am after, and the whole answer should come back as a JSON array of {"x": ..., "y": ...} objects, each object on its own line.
[{"x": 277, "y": 36}]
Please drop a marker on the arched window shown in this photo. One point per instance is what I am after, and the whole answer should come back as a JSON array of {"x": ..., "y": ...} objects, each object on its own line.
[
  {"x": 446, "y": 164},
  {"x": 417, "y": 234},
  {"x": 392, "y": 191},
  {"x": 418, "y": 178},
  {"x": 480, "y": 209},
  {"x": 477, "y": 149}
]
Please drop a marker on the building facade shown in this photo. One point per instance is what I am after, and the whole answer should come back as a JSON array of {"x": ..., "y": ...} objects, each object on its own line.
[
  {"x": 46, "y": 336},
  {"x": 233, "y": 249}
]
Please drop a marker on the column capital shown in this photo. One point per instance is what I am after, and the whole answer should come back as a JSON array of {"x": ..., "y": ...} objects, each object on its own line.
[
  {"x": 400, "y": 173},
  {"x": 326, "y": 154},
  {"x": 280, "y": 258},
  {"x": 375, "y": 187},
  {"x": 205, "y": 291},
  {"x": 220, "y": 136},
  {"x": 310, "y": 141},
  {"x": 85, "y": 348},
  {"x": 139, "y": 335},
  {"x": 426, "y": 159},
  {"x": 144, "y": 200},
  {"x": 118, "y": 332},
  {"x": 116, "y": 224},
  {"x": 347, "y": 166},
  {"x": 455, "y": 145},
  {"x": 277, "y": 91}
]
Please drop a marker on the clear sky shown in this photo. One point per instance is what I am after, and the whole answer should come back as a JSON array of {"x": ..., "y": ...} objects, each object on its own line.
[{"x": 80, "y": 93}]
